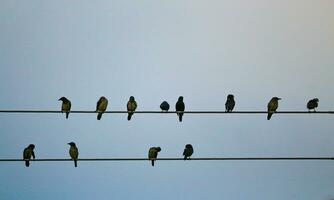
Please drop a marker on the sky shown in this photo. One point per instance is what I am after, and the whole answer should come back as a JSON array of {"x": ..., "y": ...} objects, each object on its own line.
[{"x": 157, "y": 51}]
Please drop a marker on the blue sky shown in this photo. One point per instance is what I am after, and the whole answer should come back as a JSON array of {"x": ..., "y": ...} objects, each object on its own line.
[{"x": 155, "y": 51}]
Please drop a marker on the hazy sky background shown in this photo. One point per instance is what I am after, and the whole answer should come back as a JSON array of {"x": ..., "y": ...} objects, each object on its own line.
[{"x": 155, "y": 51}]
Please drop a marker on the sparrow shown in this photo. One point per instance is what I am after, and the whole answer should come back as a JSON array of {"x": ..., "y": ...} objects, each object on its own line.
[
  {"x": 28, "y": 152},
  {"x": 66, "y": 106},
  {"x": 153, "y": 154},
  {"x": 179, "y": 106},
  {"x": 131, "y": 106},
  {"x": 74, "y": 153},
  {"x": 188, "y": 151},
  {"x": 230, "y": 103},
  {"x": 164, "y": 106},
  {"x": 101, "y": 107},
  {"x": 272, "y": 106},
  {"x": 312, "y": 104}
]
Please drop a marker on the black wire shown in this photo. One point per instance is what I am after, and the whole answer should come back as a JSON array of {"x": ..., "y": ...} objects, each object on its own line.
[
  {"x": 170, "y": 112},
  {"x": 173, "y": 159}
]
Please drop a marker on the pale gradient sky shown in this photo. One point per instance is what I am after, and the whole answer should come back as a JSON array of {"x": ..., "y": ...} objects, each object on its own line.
[{"x": 155, "y": 51}]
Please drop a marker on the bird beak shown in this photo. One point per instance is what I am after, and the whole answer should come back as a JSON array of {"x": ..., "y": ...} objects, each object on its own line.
[
  {"x": 69, "y": 143},
  {"x": 279, "y": 98},
  {"x": 59, "y": 99}
]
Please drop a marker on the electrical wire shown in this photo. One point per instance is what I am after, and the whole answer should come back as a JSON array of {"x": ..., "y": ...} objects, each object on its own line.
[{"x": 174, "y": 159}]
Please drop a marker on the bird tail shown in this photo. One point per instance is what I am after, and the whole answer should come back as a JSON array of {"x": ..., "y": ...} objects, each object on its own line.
[
  {"x": 269, "y": 115},
  {"x": 152, "y": 162},
  {"x": 129, "y": 116},
  {"x": 185, "y": 157},
  {"x": 99, "y": 116},
  {"x": 27, "y": 163},
  {"x": 75, "y": 163},
  {"x": 180, "y": 117},
  {"x": 67, "y": 113}
]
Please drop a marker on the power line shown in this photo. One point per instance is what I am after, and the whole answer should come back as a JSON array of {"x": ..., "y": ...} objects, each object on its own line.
[
  {"x": 169, "y": 112},
  {"x": 174, "y": 159}
]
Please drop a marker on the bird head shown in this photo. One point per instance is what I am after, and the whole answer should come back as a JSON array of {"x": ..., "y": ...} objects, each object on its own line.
[
  {"x": 132, "y": 98},
  {"x": 277, "y": 98},
  {"x": 230, "y": 96},
  {"x": 31, "y": 146},
  {"x": 316, "y": 99},
  {"x": 189, "y": 146},
  {"x": 180, "y": 98},
  {"x": 62, "y": 99},
  {"x": 72, "y": 144},
  {"x": 158, "y": 149}
]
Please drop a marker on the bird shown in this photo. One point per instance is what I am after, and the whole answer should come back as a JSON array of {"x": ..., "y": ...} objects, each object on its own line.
[
  {"x": 131, "y": 106},
  {"x": 28, "y": 152},
  {"x": 101, "y": 106},
  {"x": 164, "y": 106},
  {"x": 188, "y": 151},
  {"x": 153, "y": 154},
  {"x": 66, "y": 106},
  {"x": 312, "y": 104},
  {"x": 179, "y": 106},
  {"x": 272, "y": 106},
  {"x": 74, "y": 153},
  {"x": 230, "y": 103}
]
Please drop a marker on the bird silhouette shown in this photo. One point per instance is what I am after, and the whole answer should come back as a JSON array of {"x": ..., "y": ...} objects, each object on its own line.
[
  {"x": 74, "y": 153},
  {"x": 66, "y": 106},
  {"x": 164, "y": 106},
  {"x": 188, "y": 151},
  {"x": 28, "y": 152},
  {"x": 272, "y": 106},
  {"x": 101, "y": 107},
  {"x": 131, "y": 106},
  {"x": 230, "y": 103},
  {"x": 312, "y": 104},
  {"x": 180, "y": 107},
  {"x": 153, "y": 154}
]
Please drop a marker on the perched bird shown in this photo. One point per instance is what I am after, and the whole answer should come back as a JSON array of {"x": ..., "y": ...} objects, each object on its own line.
[
  {"x": 188, "y": 151},
  {"x": 66, "y": 106},
  {"x": 74, "y": 153},
  {"x": 179, "y": 106},
  {"x": 153, "y": 154},
  {"x": 28, "y": 153},
  {"x": 230, "y": 103},
  {"x": 272, "y": 106},
  {"x": 312, "y": 104},
  {"x": 164, "y": 106},
  {"x": 131, "y": 106},
  {"x": 101, "y": 106}
]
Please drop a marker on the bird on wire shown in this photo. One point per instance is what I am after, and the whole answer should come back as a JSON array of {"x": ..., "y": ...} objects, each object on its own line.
[
  {"x": 28, "y": 152},
  {"x": 153, "y": 154},
  {"x": 312, "y": 104},
  {"x": 66, "y": 106},
  {"x": 230, "y": 103},
  {"x": 188, "y": 151},
  {"x": 272, "y": 106},
  {"x": 131, "y": 106},
  {"x": 101, "y": 107},
  {"x": 74, "y": 153},
  {"x": 164, "y": 106},
  {"x": 180, "y": 107}
]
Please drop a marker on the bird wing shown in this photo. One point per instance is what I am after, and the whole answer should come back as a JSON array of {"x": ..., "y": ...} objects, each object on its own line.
[
  {"x": 98, "y": 104},
  {"x": 152, "y": 153},
  {"x": 184, "y": 152},
  {"x": 74, "y": 152},
  {"x": 25, "y": 154},
  {"x": 272, "y": 105}
]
